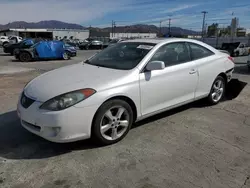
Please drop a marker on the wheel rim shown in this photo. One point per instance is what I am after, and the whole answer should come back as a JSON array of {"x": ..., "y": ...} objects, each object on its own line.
[
  {"x": 65, "y": 56},
  {"x": 218, "y": 89},
  {"x": 114, "y": 123}
]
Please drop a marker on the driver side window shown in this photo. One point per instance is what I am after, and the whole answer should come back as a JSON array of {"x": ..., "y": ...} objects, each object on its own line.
[{"x": 172, "y": 54}]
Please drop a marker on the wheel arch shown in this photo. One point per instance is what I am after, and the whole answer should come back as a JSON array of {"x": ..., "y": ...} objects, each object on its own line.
[
  {"x": 124, "y": 98},
  {"x": 223, "y": 75}
]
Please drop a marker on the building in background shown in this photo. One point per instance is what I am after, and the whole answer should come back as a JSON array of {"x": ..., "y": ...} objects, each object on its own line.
[
  {"x": 47, "y": 33},
  {"x": 234, "y": 26},
  {"x": 133, "y": 35}
]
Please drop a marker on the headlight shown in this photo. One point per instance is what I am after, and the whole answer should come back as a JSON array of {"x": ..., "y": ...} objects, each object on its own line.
[{"x": 67, "y": 100}]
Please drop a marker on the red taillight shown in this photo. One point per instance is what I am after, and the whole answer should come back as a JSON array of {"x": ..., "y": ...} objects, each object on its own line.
[{"x": 231, "y": 59}]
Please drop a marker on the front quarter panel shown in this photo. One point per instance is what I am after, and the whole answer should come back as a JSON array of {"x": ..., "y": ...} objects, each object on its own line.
[{"x": 126, "y": 87}]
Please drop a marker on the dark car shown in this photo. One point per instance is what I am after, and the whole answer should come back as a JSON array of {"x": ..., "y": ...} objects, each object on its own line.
[
  {"x": 230, "y": 47},
  {"x": 91, "y": 44},
  {"x": 45, "y": 50},
  {"x": 13, "y": 48}
]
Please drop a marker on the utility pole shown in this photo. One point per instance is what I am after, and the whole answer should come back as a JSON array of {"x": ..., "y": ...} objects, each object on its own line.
[
  {"x": 169, "y": 23},
  {"x": 203, "y": 23},
  {"x": 112, "y": 29},
  {"x": 160, "y": 28}
]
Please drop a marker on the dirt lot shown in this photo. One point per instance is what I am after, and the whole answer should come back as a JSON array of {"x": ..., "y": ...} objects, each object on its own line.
[{"x": 192, "y": 146}]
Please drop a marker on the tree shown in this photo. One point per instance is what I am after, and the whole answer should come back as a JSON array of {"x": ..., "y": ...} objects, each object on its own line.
[{"x": 212, "y": 29}]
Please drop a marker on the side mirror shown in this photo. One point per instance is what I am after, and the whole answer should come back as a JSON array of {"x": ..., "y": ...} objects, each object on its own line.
[{"x": 155, "y": 65}]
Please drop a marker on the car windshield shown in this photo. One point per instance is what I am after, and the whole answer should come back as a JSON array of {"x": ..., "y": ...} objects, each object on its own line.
[
  {"x": 67, "y": 45},
  {"x": 123, "y": 56},
  {"x": 114, "y": 41}
]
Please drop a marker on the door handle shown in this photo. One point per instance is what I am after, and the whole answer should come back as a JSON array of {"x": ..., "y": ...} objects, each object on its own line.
[{"x": 192, "y": 71}]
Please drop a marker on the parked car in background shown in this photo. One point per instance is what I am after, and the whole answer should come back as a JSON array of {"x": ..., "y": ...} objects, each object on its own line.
[
  {"x": 72, "y": 42},
  {"x": 15, "y": 39},
  {"x": 236, "y": 48},
  {"x": 14, "y": 48},
  {"x": 248, "y": 61},
  {"x": 4, "y": 40},
  {"x": 102, "y": 97},
  {"x": 91, "y": 44},
  {"x": 114, "y": 41},
  {"x": 46, "y": 50}
]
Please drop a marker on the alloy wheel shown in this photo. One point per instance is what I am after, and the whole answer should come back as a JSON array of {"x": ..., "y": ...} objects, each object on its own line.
[
  {"x": 114, "y": 123},
  {"x": 217, "y": 90}
]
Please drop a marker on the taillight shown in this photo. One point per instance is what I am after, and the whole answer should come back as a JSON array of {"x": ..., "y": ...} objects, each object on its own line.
[{"x": 231, "y": 59}]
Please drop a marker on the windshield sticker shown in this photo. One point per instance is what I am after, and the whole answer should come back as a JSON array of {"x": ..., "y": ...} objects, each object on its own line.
[{"x": 145, "y": 47}]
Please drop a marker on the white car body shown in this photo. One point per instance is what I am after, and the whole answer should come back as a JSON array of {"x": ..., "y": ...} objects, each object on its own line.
[
  {"x": 3, "y": 40},
  {"x": 151, "y": 92},
  {"x": 242, "y": 49}
]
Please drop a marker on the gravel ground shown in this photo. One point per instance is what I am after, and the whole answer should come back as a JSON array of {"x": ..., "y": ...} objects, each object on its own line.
[{"x": 192, "y": 146}]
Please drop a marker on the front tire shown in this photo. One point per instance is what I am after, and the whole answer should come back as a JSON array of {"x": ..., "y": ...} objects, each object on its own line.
[
  {"x": 217, "y": 91},
  {"x": 112, "y": 122},
  {"x": 25, "y": 57}
]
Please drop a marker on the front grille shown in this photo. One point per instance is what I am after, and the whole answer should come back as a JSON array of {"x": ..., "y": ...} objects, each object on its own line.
[{"x": 26, "y": 101}]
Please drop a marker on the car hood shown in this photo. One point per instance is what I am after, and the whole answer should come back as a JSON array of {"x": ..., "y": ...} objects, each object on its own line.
[{"x": 73, "y": 77}]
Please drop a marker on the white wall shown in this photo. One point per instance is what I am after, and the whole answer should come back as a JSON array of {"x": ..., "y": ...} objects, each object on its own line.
[
  {"x": 137, "y": 35},
  {"x": 217, "y": 42},
  {"x": 77, "y": 34}
]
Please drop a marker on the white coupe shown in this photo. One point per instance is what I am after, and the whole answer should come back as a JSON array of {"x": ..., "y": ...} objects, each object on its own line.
[{"x": 103, "y": 96}]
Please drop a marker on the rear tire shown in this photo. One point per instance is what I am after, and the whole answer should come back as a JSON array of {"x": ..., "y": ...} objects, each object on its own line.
[
  {"x": 25, "y": 57},
  {"x": 112, "y": 122},
  {"x": 217, "y": 91},
  {"x": 66, "y": 56}
]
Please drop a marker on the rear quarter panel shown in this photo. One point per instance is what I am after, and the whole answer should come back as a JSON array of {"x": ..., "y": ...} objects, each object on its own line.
[{"x": 208, "y": 69}]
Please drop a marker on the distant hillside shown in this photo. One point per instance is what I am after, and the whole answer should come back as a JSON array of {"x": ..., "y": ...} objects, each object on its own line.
[
  {"x": 50, "y": 24},
  {"x": 139, "y": 28},
  {"x": 147, "y": 29}
]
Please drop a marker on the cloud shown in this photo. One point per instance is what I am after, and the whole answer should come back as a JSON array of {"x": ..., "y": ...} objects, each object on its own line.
[
  {"x": 179, "y": 8},
  {"x": 77, "y": 11}
]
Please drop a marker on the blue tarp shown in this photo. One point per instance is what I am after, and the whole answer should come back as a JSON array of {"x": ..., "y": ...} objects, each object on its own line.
[
  {"x": 28, "y": 41},
  {"x": 50, "y": 49}
]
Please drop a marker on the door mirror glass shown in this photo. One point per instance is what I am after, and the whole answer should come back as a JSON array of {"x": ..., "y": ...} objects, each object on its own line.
[{"x": 155, "y": 65}]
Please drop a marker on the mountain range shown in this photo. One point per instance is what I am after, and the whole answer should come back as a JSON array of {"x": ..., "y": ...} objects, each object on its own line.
[{"x": 139, "y": 28}]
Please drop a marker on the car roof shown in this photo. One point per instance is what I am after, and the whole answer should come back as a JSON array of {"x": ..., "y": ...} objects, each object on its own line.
[{"x": 161, "y": 40}]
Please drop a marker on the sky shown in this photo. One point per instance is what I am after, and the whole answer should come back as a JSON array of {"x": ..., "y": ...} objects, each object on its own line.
[{"x": 100, "y": 13}]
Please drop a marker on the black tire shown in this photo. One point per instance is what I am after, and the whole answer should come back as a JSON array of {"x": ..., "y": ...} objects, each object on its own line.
[
  {"x": 237, "y": 54},
  {"x": 25, "y": 57},
  {"x": 5, "y": 43},
  {"x": 99, "y": 117},
  {"x": 210, "y": 98},
  {"x": 248, "y": 68}
]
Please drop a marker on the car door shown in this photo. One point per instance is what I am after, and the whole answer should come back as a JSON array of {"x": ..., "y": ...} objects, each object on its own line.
[
  {"x": 208, "y": 65},
  {"x": 173, "y": 85}
]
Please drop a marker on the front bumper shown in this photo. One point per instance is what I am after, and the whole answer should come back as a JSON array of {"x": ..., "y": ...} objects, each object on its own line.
[
  {"x": 229, "y": 74},
  {"x": 68, "y": 125}
]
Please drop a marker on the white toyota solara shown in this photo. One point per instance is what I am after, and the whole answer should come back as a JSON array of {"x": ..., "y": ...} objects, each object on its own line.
[{"x": 129, "y": 81}]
